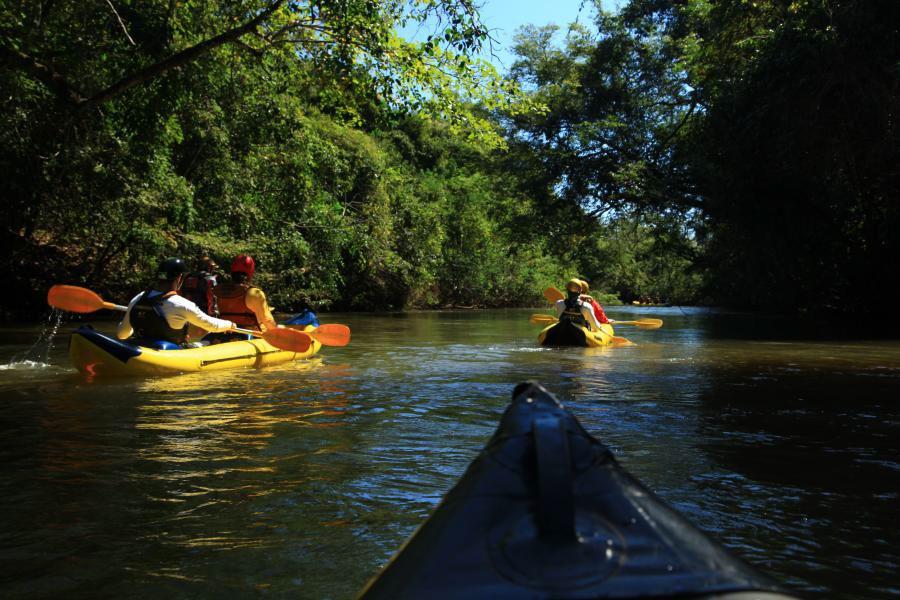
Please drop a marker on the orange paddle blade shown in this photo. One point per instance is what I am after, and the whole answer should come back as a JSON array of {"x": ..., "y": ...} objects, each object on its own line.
[
  {"x": 74, "y": 299},
  {"x": 292, "y": 340},
  {"x": 331, "y": 334}
]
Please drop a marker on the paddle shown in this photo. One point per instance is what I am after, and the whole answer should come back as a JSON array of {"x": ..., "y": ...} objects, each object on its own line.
[
  {"x": 642, "y": 323},
  {"x": 542, "y": 319},
  {"x": 553, "y": 295},
  {"x": 331, "y": 334},
  {"x": 71, "y": 298},
  {"x": 81, "y": 300}
]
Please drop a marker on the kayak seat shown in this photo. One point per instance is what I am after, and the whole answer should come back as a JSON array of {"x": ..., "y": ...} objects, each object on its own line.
[{"x": 155, "y": 344}]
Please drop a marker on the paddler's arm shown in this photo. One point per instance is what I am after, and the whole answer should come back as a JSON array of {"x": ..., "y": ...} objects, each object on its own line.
[
  {"x": 587, "y": 311},
  {"x": 189, "y": 311},
  {"x": 124, "y": 329},
  {"x": 598, "y": 310},
  {"x": 256, "y": 301}
]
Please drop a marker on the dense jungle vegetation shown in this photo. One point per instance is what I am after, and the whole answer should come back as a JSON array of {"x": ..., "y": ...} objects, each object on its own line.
[{"x": 735, "y": 152}]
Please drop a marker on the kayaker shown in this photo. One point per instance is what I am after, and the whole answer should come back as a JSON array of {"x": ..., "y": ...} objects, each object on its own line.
[
  {"x": 574, "y": 309},
  {"x": 159, "y": 313},
  {"x": 598, "y": 310},
  {"x": 241, "y": 301},
  {"x": 198, "y": 285}
]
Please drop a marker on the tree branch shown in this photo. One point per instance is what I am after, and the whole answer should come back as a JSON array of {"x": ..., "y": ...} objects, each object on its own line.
[
  {"x": 43, "y": 73},
  {"x": 180, "y": 58},
  {"x": 121, "y": 23},
  {"x": 57, "y": 83}
]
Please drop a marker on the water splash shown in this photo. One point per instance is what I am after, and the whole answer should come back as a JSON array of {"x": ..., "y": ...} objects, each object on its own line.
[{"x": 38, "y": 355}]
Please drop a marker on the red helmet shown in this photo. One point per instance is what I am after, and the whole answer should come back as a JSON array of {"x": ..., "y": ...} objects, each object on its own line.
[{"x": 243, "y": 263}]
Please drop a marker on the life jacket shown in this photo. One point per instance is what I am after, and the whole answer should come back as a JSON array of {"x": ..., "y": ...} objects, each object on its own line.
[
  {"x": 598, "y": 312},
  {"x": 232, "y": 304},
  {"x": 573, "y": 312},
  {"x": 149, "y": 321},
  {"x": 198, "y": 288}
]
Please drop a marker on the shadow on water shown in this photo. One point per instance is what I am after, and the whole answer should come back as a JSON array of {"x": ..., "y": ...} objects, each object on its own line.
[{"x": 809, "y": 460}]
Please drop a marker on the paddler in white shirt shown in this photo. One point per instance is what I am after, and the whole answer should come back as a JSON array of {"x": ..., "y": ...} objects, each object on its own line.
[{"x": 160, "y": 314}]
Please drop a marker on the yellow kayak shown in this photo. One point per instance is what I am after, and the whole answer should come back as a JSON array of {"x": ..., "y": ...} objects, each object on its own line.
[
  {"x": 566, "y": 333},
  {"x": 96, "y": 354}
]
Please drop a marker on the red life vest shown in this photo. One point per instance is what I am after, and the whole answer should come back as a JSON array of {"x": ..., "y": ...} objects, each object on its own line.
[
  {"x": 598, "y": 311},
  {"x": 233, "y": 307}
]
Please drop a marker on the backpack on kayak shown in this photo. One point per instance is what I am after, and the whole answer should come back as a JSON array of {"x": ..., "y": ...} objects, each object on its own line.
[{"x": 307, "y": 317}]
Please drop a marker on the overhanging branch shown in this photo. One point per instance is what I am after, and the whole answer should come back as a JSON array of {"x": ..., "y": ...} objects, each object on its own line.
[
  {"x": 55, "y": 81},
  {"x": 179, "y": 59}
]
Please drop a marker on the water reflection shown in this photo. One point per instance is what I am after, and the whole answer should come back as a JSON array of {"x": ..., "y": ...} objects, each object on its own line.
[{"x": 302, "y": 479}]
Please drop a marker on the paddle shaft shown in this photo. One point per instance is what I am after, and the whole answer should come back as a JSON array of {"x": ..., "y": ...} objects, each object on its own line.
[{"x": 642, "y": 323}]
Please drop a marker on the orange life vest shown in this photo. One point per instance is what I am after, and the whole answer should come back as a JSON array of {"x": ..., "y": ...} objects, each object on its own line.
[{"x": 232, "y": 304}]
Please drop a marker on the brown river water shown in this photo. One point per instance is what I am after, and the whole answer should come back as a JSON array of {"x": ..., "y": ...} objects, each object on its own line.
[{"x": 302, "y": 480}]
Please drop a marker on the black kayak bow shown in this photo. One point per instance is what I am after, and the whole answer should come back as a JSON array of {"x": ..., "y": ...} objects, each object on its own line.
[{"x": 545, "y": 511}]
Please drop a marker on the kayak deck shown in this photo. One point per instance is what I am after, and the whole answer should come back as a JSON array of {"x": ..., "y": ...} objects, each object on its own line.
[
  {"x": 545, "y": 511},
  {"x": 96, "y": 354}
]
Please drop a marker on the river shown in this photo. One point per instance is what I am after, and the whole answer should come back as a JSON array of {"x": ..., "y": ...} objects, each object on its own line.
[{"x": 301, "y": 480}]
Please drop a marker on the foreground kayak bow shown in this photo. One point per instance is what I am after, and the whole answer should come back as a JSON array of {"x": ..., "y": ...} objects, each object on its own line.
[{"x": 546, "y": 512}]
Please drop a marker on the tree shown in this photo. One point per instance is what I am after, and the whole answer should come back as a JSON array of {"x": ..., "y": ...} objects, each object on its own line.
[
  {"x": 141, "y": 129},
  {"x": 797, "y": 151},
  {"x": 605, "y": 157}
]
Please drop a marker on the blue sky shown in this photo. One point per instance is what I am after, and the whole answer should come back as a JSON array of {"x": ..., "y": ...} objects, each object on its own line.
[{"x": 504, "y": 17}]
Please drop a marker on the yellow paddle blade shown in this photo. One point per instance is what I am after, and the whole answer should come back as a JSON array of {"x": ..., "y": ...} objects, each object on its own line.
[
  {"x": 620, "y": 341},
  {"x": 552, "y": 295},
  {"x": 72, "y": 298},
  {"x": 292, "y": 340},
  {"x": 331, "y": 334},
  {"x": 643, "y": 323},
  {"x": 542, "y": 319}
]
